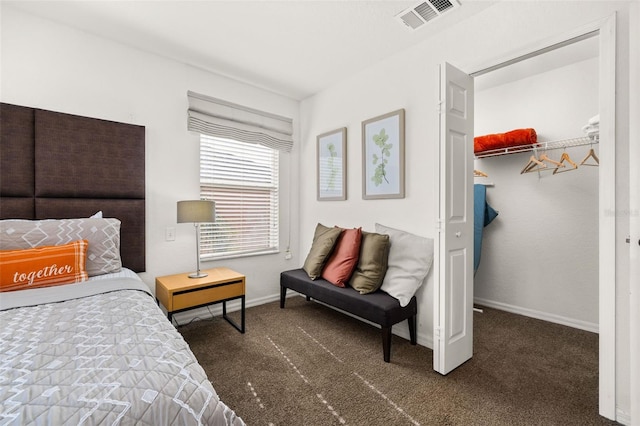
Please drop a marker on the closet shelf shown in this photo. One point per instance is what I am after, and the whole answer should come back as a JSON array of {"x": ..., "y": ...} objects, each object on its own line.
[{"x": 544, "y": 146}]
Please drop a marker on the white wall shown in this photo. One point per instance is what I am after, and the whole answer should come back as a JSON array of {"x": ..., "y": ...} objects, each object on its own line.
[
  {"x": 365, "y": 96},
  {"x": 409, "y": 80},
  {"x": 49, "y": 66},
  {"x": 540, "y": 256}
]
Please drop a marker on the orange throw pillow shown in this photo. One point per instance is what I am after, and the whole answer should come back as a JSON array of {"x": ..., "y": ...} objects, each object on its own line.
[
  {"x": 43, "y": 266},
  {"x": 344, "y": 258}
]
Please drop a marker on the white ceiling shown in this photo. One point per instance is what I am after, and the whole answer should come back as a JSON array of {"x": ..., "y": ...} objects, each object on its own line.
[{"x": 295, "y": 48}]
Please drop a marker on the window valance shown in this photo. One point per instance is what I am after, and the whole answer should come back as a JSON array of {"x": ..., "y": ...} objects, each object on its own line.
[{"x": 222, "y": 119}]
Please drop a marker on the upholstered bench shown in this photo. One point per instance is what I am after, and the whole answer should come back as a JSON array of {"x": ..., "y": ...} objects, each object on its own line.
[{"x": 377, "y": 307}]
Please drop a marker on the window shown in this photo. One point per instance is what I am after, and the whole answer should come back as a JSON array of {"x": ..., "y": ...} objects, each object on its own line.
[
  {"x": 242, "y": 179},
  {"x": 239, "y": 162}
]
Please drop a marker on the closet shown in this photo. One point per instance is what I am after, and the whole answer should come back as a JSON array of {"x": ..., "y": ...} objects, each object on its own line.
[{"x": 540, "y": 255}]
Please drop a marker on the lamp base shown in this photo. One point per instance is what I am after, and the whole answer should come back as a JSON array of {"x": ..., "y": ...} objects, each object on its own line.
[{"x": 198, "y": 275}]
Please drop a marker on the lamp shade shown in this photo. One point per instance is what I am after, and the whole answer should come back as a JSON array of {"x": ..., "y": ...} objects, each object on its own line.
[{"x": 196, "y": 211}]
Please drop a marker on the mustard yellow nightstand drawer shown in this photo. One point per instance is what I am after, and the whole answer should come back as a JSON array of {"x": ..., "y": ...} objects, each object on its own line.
[{"x": 204, "y": 296}]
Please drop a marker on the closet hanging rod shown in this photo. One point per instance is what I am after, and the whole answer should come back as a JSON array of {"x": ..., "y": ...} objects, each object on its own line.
[{"x": 543, "y": 146}]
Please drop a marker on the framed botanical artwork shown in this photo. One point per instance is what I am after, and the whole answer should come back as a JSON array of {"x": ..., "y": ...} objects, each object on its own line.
[
  {"x": 383, "y": 156},
  {"x": 332, "y": 165}
]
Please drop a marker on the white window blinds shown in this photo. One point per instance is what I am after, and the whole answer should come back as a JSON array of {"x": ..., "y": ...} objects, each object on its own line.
[
  {"x": 219, "y": 118},
  {"x": 242, "y": 179}
]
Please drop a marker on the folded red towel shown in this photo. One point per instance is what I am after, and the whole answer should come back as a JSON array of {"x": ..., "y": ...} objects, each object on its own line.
[{"x": 504, "y": 140}]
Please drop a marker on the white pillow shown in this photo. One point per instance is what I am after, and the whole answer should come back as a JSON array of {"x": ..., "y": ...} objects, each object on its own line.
[{"x": 410, "y": 259}]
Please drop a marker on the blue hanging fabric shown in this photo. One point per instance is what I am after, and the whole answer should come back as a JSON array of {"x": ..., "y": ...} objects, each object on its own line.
[{"x": 483, "y": 214}]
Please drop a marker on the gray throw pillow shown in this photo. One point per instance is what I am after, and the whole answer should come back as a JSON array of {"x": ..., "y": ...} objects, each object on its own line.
[
  {"x": 324, "y": 239},
  {"x": 103, "y": 235}
]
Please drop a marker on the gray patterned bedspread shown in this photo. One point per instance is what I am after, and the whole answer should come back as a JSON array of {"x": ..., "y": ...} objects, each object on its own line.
[{"x": 99, "y": 353}]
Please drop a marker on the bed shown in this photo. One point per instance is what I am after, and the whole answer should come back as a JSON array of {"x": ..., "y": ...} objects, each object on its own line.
[{"x": 85, "y": 345}]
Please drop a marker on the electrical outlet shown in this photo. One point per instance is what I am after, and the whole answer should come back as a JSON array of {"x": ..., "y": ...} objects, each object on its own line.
[
  {"x": 288, "y": 255},
  {"x": 170, "y": 233}
]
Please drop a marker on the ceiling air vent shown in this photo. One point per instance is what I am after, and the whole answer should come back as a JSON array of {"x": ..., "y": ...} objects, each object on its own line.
[{"x": 415, "y": 17}]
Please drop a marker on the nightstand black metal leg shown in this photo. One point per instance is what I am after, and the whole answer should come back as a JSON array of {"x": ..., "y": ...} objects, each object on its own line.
[{"x": 229, "y": 320}]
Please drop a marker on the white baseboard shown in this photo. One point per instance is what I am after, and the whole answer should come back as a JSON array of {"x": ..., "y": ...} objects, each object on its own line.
[{"x": 545, "y": 316}]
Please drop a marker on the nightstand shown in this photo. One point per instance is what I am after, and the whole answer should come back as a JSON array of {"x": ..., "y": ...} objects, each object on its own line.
[{"x": 179, "y": 293}]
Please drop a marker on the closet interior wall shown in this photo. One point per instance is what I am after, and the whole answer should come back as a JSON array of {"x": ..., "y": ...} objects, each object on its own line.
[{"x": 540, "y": 256}]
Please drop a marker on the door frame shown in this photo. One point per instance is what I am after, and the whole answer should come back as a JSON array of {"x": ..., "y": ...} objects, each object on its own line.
[
  {"x": 605, "y": 30},
  {"x": 634, "y": 218}
]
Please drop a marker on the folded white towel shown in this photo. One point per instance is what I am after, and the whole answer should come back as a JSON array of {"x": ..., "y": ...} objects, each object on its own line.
[{"x": 592, "y": 131}]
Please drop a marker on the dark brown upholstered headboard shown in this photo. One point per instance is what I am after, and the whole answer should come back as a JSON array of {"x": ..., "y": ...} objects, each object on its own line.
[{"x": 56, "y": 166}]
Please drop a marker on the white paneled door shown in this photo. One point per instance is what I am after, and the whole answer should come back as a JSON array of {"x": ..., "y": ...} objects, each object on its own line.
[{"x": 453, "y": 289}]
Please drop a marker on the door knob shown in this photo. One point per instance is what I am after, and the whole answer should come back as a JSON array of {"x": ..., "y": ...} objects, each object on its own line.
[{"x": 458, "y": 234}]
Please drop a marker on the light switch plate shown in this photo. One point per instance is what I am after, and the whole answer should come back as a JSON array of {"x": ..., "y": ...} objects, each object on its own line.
[{"x": 170, "y": 233}]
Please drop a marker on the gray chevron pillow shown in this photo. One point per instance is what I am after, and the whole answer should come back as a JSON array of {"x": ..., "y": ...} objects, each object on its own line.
[{"x": 103, "y": 235}]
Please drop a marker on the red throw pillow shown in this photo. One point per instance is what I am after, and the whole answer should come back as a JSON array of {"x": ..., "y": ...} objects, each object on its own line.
[{"x": 344, "y": 258}]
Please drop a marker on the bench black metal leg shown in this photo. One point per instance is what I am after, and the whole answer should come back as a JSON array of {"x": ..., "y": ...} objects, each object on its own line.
[
  {"x": 283, "y": 296},
  {"x": 386, "y": 343},
  {"x": 413, "y": 323}
]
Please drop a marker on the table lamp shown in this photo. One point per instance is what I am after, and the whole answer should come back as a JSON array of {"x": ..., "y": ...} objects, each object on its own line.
[{"x": 196, "y": 212}]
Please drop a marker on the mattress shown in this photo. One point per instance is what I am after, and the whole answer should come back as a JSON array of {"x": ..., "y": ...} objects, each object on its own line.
[{"x": 99, "y": 352}]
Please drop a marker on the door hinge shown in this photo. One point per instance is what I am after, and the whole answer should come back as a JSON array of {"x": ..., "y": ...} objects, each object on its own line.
[
  {"x": 438, "y": 333},
  {"x": 439, "y": 225},
  {"x": 439, "y": 107}
]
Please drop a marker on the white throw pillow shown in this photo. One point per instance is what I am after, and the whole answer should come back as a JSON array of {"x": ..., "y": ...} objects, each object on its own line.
[{"x": 410, "y": 259}]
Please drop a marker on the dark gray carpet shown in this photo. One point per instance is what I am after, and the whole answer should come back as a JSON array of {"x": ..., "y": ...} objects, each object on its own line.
[{"x": 310, "y": 365}]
